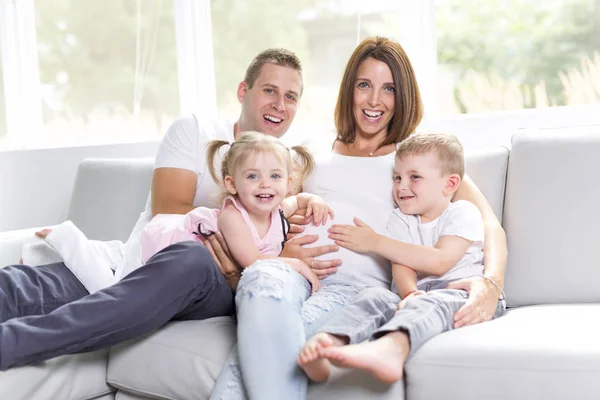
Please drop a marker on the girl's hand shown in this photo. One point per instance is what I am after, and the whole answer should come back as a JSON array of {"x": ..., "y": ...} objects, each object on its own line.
[
  {"x": 319, "y": 210},
  {"x": 360, "y": 238},
  {"x": 43, "y": 233},
  {"x": 482, "y": 302},
  {"x": 305, "y": 271},
  {"x": 410, "y": 296}
]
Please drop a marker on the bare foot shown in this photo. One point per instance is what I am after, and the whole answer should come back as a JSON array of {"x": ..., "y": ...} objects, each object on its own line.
[
  {"x": 384, "y": 358},
  {"x": 310, "y": 360}
]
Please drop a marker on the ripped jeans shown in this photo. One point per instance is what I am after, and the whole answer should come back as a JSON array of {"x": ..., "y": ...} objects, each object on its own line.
[{"x": 276, "y": 314}]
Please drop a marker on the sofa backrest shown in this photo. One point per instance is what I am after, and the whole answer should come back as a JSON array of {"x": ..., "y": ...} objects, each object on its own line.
[
  {"x": 109, "y": 195},
  {"x": 551, "y": 218},
  {"x": 487, "y": 168}
]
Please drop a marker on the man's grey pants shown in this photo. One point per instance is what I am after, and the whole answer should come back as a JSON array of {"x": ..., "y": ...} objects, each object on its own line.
[
  {"x": 46, "y": 312},
  {"x": 374, "y": 313}
]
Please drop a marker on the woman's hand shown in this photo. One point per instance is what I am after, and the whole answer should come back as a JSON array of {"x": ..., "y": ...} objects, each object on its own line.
[
  {"x": 410, "y": 296},
  {"x": 360, "y": 238},
  {"x": 309, "y": 274},
  {"x": 322, "y": 268},
  {"x": 319, "y": 210},
  {"x": 217, "y": 247},
  {"x": 482, "y": 302}
]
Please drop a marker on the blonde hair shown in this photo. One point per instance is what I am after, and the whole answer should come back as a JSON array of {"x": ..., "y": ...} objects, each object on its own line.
[
  {"x": 448, "y": 148},
  {"x": 250, "y": 144}
]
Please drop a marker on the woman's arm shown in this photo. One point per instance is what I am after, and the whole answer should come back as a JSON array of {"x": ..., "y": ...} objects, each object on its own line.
[
  {"x": 494, "y": 250},
  {"x": 483, "y": 294}
]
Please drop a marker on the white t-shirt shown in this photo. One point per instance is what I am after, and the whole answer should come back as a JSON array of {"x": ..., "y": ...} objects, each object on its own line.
[
  {"x": 183, "y": 146},
  {"x": 462, "y": 219},
  {"x": 353, "y": 187}
]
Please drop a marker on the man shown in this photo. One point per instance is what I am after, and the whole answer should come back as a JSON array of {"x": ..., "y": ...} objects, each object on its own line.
[{"x": 46, "y": 311}]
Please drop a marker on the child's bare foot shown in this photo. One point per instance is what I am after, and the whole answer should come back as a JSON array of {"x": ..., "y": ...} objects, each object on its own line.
[
  {"x": 384, "y": 358},
  {"x": 310, "y": 360}
]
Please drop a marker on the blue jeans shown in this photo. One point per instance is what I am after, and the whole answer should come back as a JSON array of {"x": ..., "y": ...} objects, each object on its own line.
[
  {"x": 46, "y": 312},
  {"x": 276, "y": 314}
]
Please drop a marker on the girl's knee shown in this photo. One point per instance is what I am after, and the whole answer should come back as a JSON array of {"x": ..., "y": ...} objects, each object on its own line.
[{"x": 270, "y": 278}]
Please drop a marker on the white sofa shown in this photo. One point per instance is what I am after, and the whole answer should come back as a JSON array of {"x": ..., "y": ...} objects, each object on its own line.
[{"x": 546, "y": 346}]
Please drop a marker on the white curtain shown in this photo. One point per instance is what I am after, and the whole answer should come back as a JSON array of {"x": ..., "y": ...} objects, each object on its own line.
[{"x": 21, "y": 72}]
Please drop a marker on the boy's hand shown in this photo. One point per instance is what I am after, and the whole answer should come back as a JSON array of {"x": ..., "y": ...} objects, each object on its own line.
[
  {"x": 410, "y": 296},
  {"x": 360, "y": 238},
  {"x": 319, "y": 210}
]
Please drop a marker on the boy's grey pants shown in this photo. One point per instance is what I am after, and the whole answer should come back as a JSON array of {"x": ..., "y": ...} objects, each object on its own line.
[
  {"x": 46, "y": 312},
  {"x": 374, "y": 313}
]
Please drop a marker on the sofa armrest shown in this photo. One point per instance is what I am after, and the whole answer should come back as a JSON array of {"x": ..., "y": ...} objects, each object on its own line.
[{"x": 11, "y": 244}]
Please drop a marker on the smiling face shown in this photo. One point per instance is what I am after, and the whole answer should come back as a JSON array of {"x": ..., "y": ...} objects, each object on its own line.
[
  {"x": 260, "y": 183},
  {"x": 420, "y": 188},
  {"x": 374, "y": 98},
  {"x": 270, "y": 105}
]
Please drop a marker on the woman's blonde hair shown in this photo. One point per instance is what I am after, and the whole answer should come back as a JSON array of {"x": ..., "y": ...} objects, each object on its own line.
[
  {"x": 250, "y": 144},
  {"x": 408, "y": 106}
]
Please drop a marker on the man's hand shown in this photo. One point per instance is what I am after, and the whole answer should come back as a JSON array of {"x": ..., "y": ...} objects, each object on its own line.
[
  {"x": 323, "y": 268},
  {"x": 297, "y": 223},
  {"x": 217, "y": 247},
  {"x": 360, "y": 238},
  {"x": 482, "y": 302}
]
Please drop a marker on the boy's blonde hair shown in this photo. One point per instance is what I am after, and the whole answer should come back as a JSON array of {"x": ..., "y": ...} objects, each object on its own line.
[
  {"x": 448, "y": 148},
  {"x": 250, "y": 144}
]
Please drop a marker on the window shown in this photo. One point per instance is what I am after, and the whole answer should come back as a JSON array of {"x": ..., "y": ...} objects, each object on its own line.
[
  {"x": 108, "y": 70},
  {"x": 516, "y": 54},
  {"x": 2, "y": 105},
  {"x": 322, "y": 33}
]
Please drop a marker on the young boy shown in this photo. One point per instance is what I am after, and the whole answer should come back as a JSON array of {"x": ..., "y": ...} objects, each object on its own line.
[{"x": 430, "y": 242}]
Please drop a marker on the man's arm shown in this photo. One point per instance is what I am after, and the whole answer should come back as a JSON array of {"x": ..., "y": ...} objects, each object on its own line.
[{"x": 173, "y": 191}]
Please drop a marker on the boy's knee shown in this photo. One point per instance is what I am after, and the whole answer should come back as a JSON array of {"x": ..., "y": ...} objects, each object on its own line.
[{"x": 378, "y": 296}]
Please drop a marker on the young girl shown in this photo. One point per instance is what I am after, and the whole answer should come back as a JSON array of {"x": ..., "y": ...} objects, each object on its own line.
[{"x": 256, "y": 173}]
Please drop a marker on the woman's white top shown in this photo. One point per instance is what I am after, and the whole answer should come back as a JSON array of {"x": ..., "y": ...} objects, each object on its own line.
[{"x": 353, "y": 187}]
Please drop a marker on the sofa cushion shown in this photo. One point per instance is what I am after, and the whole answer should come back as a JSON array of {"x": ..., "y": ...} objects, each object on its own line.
[
  {"x": 487, "y": 168},
  {"x": 536, "y": 352},
  {"x": 551, "y": 218},
  {"x": 73, "y": 377},
  {"x": 109, "y": 195},
  {"x": 183, "y": 360}
]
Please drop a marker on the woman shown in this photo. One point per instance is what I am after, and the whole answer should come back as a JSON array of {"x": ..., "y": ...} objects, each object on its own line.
[{"x": 378, "y": 106}]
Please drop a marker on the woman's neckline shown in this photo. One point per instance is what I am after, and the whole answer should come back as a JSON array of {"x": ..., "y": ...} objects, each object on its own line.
[{"x": 369, "y": 156}]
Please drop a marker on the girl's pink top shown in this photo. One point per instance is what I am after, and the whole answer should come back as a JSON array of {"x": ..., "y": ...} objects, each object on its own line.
[{"x": 166, "y": 229}]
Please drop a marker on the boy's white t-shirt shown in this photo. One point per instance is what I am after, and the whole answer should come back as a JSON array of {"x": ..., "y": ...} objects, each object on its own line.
[{"x": 462, "y": 219}]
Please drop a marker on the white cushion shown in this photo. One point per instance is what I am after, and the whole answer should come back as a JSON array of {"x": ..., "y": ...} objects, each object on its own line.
[
  {"x": 183, "y": 360},
  {"x": 536, "y": 352},
  {"x": 73, "y": 377},
  {"x": 487, "y": 168},
  {"x": 109, "y": 195},
  {"x": 551, "y": 218}
]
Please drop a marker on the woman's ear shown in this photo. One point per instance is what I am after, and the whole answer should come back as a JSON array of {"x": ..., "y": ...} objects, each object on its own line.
[
  {"x": 229, "y": 185},
  {"x": 452, "y": 184}
]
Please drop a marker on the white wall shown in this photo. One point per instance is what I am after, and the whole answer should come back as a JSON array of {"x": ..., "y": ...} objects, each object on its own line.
[{"x": 36, "y": 185}]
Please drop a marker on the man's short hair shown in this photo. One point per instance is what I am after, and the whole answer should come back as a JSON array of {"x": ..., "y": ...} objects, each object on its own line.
[
  {"x": 448, "y": 148},
  {"x": 281, "y": 57}
]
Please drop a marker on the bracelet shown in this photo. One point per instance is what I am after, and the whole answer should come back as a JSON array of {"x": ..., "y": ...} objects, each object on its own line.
[
  {"x": 409, "y": 293},
  {"x": 495, "y": 284}
]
